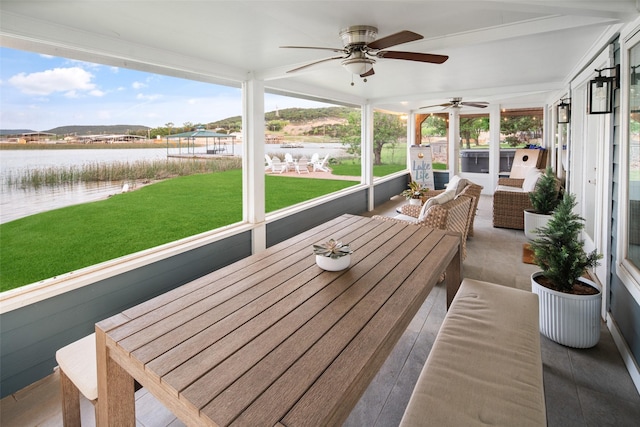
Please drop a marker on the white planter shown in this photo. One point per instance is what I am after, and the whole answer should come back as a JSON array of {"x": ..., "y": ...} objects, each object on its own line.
[
  {"x": 333, "y": 264},
  {"x": 415, "y": 202},
  {"x": 571, "y": 320},
  {"x": 532, "y": 221}
]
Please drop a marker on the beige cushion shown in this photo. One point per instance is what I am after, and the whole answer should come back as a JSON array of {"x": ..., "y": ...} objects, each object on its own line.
[
  {"x": 509, "y": 188},
  {"x": 530, "y": 180},
  {"x": 456, "y": 184},
  {"x": 485, "y": 366},
  {"x": 440, "y": 199},
  {"x": 78, "y": 361}
]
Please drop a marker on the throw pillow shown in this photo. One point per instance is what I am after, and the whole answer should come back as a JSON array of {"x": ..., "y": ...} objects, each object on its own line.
[
  {"x": 530, "y": 180},
  {"x": 456, "y": 185},
  {"x": 440, "y": 199}
]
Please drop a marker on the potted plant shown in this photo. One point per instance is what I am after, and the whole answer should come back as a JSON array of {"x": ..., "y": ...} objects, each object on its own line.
[
  {"x": 415, "y": 193},
  {"x": 569, "y": 303},
  {"x": 333, "y": 255},
  {"x": 544, "y": 199}
]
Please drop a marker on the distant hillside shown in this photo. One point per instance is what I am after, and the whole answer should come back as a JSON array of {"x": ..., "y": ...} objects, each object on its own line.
[
  {"x": 97, "y": 129},
  {"x": 14, "y": 131},
  {"x": 292, "y": 115}
]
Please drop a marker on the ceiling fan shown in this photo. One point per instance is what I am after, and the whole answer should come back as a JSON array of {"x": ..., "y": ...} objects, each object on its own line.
[
  {"x": 361, "y": 49},
  {"x": 458, "y": 103}
]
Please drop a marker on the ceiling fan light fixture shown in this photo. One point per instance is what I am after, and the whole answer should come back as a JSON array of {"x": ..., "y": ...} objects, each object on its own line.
[{"x": 358, "y": 66}]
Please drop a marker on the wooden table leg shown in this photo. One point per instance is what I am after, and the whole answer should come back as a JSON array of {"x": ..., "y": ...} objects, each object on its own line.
[
  {"x": 116, "y": 399},
  {"x": 453, "y": 276}
]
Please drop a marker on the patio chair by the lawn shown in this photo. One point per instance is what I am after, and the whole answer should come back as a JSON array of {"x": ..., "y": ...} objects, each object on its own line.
[
  {"x": 303, "y": 165},
  {"x": 269, "y": 165},
  {"x": 321, "y": 165},
  {"x": 278, "y": 166},
  {"x": 288, "y": 160}
]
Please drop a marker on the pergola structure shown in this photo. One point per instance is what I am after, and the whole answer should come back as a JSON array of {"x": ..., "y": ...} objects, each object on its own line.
[{"x": 218, "y": 141}]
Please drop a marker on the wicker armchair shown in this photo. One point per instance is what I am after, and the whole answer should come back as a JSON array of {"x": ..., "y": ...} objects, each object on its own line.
[
  {"x": 509, "y": 206},
  {"x": 470, "y": 190},
  {"x": 453, "y": 216}
]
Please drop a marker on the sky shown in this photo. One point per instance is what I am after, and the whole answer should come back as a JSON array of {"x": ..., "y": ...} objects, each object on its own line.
[{"x": 41, "y": 92}]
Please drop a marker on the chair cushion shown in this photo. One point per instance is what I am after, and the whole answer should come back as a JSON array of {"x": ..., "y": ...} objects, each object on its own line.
[
  {"x": 530, "y": 180},
  {"x": 78, "y": 361},
  {"x": 509, "y": 188},
  {"x": 435, "y": 200}
]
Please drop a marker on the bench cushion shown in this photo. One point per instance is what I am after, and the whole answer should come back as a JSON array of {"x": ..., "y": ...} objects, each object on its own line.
[
  {"x": 485, "y": 367},
  {"x": 78, "y": 361}
]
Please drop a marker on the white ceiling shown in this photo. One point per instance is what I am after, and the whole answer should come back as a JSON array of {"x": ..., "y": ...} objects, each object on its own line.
[{"x": 514, "y": 53}]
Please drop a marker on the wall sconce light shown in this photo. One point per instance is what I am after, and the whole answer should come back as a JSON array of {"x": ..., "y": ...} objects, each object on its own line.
[
  {"x": 564, "y": 111},
  {"x": 600, "y": 91}
]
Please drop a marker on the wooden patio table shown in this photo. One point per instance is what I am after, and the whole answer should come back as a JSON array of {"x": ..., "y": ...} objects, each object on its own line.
[{"x": 273, "y": 340}]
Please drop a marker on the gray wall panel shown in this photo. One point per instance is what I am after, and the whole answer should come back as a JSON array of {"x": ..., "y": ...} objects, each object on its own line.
[{"x": 385, "y": 190}]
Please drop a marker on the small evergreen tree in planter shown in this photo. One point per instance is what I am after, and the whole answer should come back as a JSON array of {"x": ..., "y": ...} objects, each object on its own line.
[
  {"x": 544, "y": 199},
  {"x": 569, "y": 303}
]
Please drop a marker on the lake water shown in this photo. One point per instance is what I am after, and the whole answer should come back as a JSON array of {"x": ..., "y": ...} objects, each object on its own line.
[{"x": 17, "y": 203}]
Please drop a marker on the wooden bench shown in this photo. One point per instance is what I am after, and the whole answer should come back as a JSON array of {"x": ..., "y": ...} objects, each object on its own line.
[{"x": 485, "y": 367}]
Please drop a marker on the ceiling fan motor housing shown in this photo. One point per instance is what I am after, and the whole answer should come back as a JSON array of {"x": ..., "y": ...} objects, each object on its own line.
[{"x": 358, "y": 35}]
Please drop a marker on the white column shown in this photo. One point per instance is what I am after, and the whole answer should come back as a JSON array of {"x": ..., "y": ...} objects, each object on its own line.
[
  {"x": 366, "y": 133},
  {"x": 454, "y": 141},
  {"x": 494, "y": 145},
  {"x": 253, "y": 187}
]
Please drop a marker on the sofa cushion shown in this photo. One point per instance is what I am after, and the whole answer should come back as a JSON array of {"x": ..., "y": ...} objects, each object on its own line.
[
  {"x": 435, "y": 200},
  {"x": 530, "y": 180}
]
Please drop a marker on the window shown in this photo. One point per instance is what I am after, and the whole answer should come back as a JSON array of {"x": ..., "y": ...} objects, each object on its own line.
[
  {"x": 633, "y": 161},
  {"x": 474, "y": 143},
  {"x": 519, "y": 128}
]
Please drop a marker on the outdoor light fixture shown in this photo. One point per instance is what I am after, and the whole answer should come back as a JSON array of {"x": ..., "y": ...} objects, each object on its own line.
[
  {"x": 358, "y": 64},
  {"x": 600, "y": 91},
  {"x": 564, "y": 111}
]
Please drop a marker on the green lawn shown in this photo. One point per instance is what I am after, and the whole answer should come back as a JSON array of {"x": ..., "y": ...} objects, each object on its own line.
[{"x": 56, "y": 242}]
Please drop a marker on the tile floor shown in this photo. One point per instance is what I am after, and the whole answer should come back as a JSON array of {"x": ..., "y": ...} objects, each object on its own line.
[{"x": 589, "y": 387}]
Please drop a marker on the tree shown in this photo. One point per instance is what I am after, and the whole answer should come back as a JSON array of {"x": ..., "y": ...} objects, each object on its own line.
[
  {"x": 471, "y": 127},
  {"x": 434, "y": 126},
  {"x": 350, "y": 133},
  {"x": 520, "y": 129},
  {"x": 387, "y": 129}
]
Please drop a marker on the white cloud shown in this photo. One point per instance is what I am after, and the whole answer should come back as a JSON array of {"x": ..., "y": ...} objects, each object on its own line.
[
  {"x": 138, "y": 85},
  {"x": 67, "y": 80},
  {"x": 143, "y": 97},
  {"x": 96, "y": 92}
]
